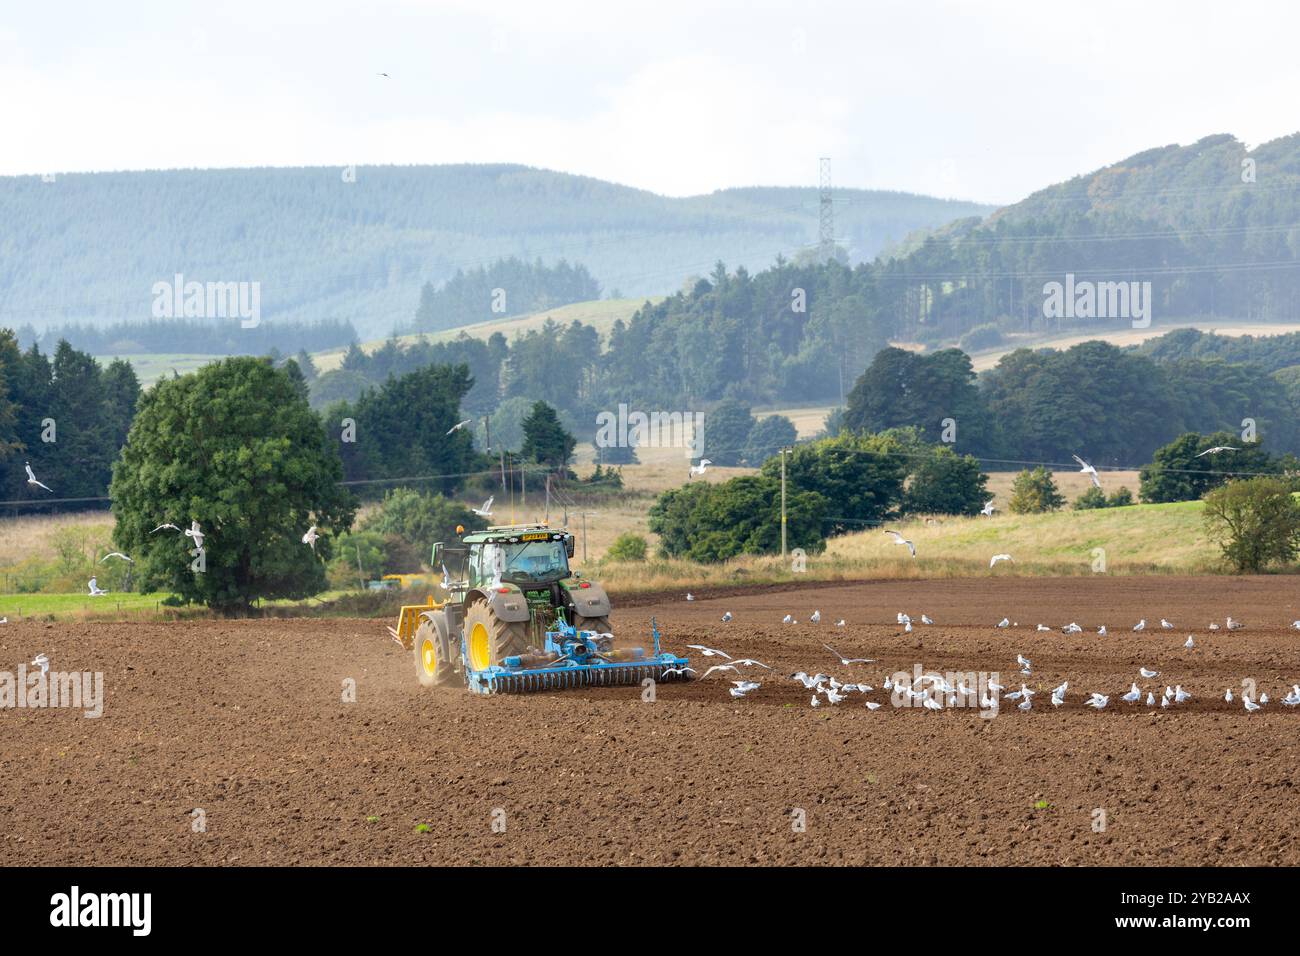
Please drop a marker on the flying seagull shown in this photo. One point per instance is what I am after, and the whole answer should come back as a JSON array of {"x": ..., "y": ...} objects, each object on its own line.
[
  {"x": 999, "y": 557},
  {"x": 708, "y": 651},
  {"x": 1087, "y": 469},
  {"x": 195, "y": 532},
  {"x": 1216, "y": 449},
  {"x": 310, "y": 537},
  {"x": 161, "y": 526},
  {"x": 43, "y": 662},
  {"x": 459, "y": 425},
  {"x": 846, "y": 661},
  {"x": 116, "y": 554},
  {"x": 486, "y": 510},
  {"x": 899, "y": 539},
  {"x": 31, "y": 479},
  {"x": 719, "y": 667},
  {"x": 988, "y": 509},
  {"x": 699, "y": 469},
  {"x": 95, "y": 589}
]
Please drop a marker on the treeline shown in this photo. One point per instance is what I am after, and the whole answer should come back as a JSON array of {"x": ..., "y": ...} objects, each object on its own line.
[
  {"x": 67, "y": 415},
  {"x": 193, "y": 336},
  {"x": 506, "y": 287},
  {"x": 1108, "y": 405}
]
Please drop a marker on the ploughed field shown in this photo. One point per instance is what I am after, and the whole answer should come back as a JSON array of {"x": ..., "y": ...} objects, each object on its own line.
[{"x": 245, "y": 721}]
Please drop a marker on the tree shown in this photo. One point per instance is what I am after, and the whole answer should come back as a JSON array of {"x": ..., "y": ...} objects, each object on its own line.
[
  {"x": 1034, "y": 492},
  {"x": 235, "y": 447},
  {"x": 946, "y": 483},
  {"x": 1256, "y": 522},
  {"x": 628, "y": 546},
  {"x": 863, "y": 476},
  {"x": 726, "y": 433},
  {"x": 768, "y": 436},
  {"x": 1180, "y": 471},
  {"x": 419, "y": 520},
  {"x": 545, "y": 438},
  {"x": 1091, "y": 500}
]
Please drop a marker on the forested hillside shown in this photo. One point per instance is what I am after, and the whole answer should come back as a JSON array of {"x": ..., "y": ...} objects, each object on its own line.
[{"x": 88, "y": 247}]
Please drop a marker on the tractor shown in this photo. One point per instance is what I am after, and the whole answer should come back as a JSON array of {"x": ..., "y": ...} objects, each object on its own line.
[{"x": 516, "y": 618}]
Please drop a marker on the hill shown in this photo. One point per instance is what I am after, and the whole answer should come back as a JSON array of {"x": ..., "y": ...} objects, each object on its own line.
[{"x": 361, "y": 250}]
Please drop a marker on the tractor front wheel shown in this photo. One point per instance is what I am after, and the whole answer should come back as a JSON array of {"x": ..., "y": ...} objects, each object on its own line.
[
  {"x": 489, "y": 640},
  {"x": 430, "y": 669}
]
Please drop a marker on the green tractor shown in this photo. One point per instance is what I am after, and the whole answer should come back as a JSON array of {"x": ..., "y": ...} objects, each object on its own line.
[{"x": 507, "y": 587}]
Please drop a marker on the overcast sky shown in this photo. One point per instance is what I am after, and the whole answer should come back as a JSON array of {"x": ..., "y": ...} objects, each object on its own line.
[{"x": 985, "y": 101}]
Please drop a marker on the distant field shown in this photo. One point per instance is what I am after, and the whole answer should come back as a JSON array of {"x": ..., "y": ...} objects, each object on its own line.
[
  {"x": 600, "y": 313},
  {"x": 14, "y": 606},
  {"x": 1125, "y": 335},
  {"x": 150, "y": 368}
]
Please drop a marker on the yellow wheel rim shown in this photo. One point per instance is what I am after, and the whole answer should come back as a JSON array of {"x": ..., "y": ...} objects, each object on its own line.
[
  {"x": 480, "y": 651},
  {"x": 428, "y": 657}
]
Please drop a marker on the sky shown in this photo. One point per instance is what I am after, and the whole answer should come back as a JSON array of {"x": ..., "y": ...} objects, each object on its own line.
[{"x": 985, "y": 101}]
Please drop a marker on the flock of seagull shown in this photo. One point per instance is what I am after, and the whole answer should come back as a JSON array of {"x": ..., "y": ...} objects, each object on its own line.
[{"x": 933, "y": 691}]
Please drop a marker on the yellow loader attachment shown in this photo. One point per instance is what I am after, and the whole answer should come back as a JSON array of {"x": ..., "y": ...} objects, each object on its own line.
[{"x": 408, "y": 621}]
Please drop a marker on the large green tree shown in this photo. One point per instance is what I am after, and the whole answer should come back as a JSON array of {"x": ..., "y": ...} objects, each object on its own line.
[
  {"x": 1186, "y": 469},
  {"x": 235, "y": 447}
]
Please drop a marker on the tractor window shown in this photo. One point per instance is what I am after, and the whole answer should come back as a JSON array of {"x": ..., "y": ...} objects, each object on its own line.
[{"x": 536, "y": 562}]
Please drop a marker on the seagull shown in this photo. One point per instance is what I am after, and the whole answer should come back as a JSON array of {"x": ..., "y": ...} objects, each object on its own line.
[
  {"x": 788, "y": 619},
  {"x": 1180, "y": 695},
  {"x": 310, "y": 537},
  {"x": 1005, "y": 622},
  {"x": 1102, "y": 630},
  {"x": 1234, "y": 625},
  {"x": 1026, "y": 704},
  {"x": 846, "y": 661},
  {"x": 116, "y": 554},
  {"x": 834, "y": 697},
  {"x": 446, "y": 578},
  {"x": 726, "y": 617},
  {"x": 1250, "y": 704},
  {"x": 1148, "y": 673},
  {"x": 31, "y": 479},
  {"x": 43, "y": 662},
  {"x": 1263, "y": 698},
  {"x": 1213, "y": 626},
  {"x": 1164, "y": 702},
  {"x": 1189, "y": 642},
  {"x": 988, "y": 509},
  {"x": 1060, "y": 691},
  {"x": 699, "y": 469},
  {"x": 1072, "y": 628},
  {"x": 743, "y": 687},
  {"x": 486, "y": 510},
  {"x": 459, "y": 425},
  {"x": 690, "y": 596},
  {"x": 1140, "y": 625},
  {"x": 816, "y": 617},
  {"x": 1087, "y": 469},
  {"x": 815, "y": 701},
  {"x": 998, "y": 557},
  {"x": 196, "y": 533},
  {"x": 678, "y": 670},
  {"x": 709, "y": 651},
  {"x": 1165, "y": 625},
  {"x": 1133, "y": 695},
  {"x": 1216, "y": 449},
  {"x": 808, "y": 682},
  {"x": 1151, "y": 700},
  {"x": 872, "y": 705},
  {"x": 1023, "y": 662},
  {"x": 840, "y": 622},
  {"x": 95, "y": 589},
  {"x": 926, "y": 620},
  {"x": 750, "y": 662},
  {"x": 161, "y": 526},
  {"x": 899, "y": 539},
  {"x": 1043, "y": 627},
  {"x": 1227, "y": 695},
  {"x": 719, "y": 667},
  {"x": 1097, "y": 700}
]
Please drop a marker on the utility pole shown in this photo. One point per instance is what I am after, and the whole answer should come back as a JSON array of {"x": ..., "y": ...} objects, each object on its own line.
[
  {"x": 783, "y": 451},
  {"x": 487, "y": 432},
  {"x": 548, "y": 498},
  {"x": 584, "y": 533}
]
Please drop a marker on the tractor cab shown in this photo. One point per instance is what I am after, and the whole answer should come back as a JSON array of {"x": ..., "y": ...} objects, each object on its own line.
[{"x": 527, "y": 556}]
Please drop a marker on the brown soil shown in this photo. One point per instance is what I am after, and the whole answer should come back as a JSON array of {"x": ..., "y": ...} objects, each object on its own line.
[{"x": 245, "y": 720}]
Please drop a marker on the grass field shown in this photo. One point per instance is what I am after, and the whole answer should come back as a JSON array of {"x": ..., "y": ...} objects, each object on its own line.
[{"x": 600, "y": 313}]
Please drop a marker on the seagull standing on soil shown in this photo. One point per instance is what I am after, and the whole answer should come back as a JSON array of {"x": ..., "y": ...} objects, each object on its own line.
[
  {"x": 31, "y": 479},
  {"x": 1148, "y": 673},
  {"x": 1189, "y": 642},
  {"x": 1140, "y": 625},
  {"x": 1097, "y": 700},
  {"x": 1133, "y": 695},
  {"x": 899, "y": 539},
  {"x": 1165, "y": 625},
  {"x": 816, "y": 617},
  {"x": 1087, "y": 469},
  {"x": 726, "y": 617}
]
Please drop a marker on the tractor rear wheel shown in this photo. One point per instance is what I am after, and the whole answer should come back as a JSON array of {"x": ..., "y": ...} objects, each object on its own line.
[
  {"x": 598, "y": 624},
  {"x": 489, "y": 639},
  {"x": 430, "y": 669}
]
